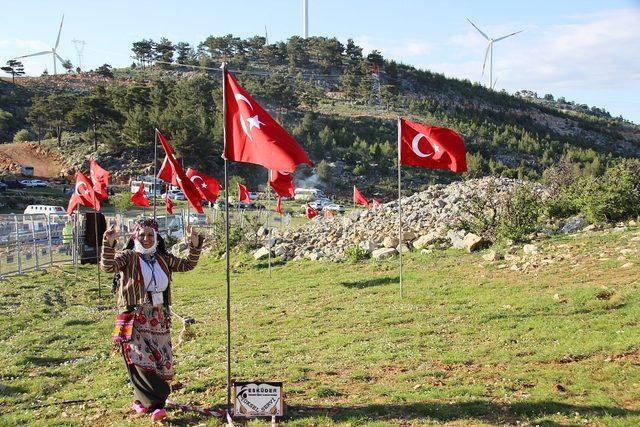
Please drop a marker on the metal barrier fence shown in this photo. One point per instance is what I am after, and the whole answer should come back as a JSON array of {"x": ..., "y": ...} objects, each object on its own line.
[{"x": 31, "y": 242}]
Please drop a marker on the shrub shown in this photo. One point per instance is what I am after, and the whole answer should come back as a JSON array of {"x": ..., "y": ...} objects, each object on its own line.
[
  {"x": 612, "y": 197},
  {"x": 121, "y": 201},
  {"x": 520, "y": 215},
  {"x": 356, "y": 254},
  {"x": 22, "y": 135},
  {"x": 483, "y": 213}
]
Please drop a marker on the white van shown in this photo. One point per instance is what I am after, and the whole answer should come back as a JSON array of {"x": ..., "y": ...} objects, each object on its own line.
[
  {"x": 44, "y": 210},
  {"x": 308, "y": 194}
]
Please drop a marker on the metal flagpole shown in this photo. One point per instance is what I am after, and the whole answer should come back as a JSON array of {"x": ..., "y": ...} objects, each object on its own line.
[
  {"x": 95, "y": 229},
  {"x": 399, "y": 207},
  {"x": 268, "y": 214},
  {"x": 155, "y": 171},
  {"x": 76, "y": 241},
  {"x": 226, "y": 211}
]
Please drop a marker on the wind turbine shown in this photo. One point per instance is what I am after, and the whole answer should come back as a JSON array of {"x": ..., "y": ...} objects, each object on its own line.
[
  {"x": 52, "y": 51},
  {"x": 490, "y": 48}
]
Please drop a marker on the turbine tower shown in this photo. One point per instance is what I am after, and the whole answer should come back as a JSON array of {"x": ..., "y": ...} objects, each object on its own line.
[
  {"x": 305, "y": 18},
  {"x": 490, "y": 48},
  {"x": 52, "y": 51}
]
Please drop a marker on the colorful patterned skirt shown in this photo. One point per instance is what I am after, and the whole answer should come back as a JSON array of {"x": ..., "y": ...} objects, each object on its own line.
[{"x": 145, "y": 336}]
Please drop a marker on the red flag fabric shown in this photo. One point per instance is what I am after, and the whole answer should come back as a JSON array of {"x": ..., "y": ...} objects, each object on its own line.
[
  {"x": 253, "y": 136},
  {"x": 375, "y": 203},
  {"x": 83, "y": 194},
  {"x": 190, "y": 191},
  {"x": 431, "y": 147},
  {"x": 207, "y": 186},
  {"x": 166, "y": 172},
  {"x": 282, "y": 183},
  {"x": 243, "y": 194},
  {"x": 100, "y": 179},
  {"x": 328, "y": 213},
  {"x": 310, "y": 212},
  {"x": 279, "y": 205},
  {"x": 140, "y": 197},
  {"x": 358, "y": 198},
  {"x": 168, "y": 203}
]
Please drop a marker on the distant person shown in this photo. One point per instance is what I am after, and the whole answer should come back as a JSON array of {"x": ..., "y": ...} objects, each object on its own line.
[
  {"x": 67, "y": 237},
  {"x": 143, "y": 295}
]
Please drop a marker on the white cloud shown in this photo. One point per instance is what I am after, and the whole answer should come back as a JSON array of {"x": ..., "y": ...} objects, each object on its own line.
[{"x": 403, "y": 50}]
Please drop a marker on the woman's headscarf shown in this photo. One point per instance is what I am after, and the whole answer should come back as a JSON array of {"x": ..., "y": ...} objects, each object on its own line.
[{"x": 137, "y": 245}]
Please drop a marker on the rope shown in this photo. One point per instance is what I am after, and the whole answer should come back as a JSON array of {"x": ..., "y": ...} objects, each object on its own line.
[
  {"x": 212, "y": 412},
  {"x": 185, "y": 331}
]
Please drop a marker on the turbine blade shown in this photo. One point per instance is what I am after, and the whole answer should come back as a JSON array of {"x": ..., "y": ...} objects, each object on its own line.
[
  {"x": 59, "y": 58},
  {"x": 486, "y": 54},
  {"x": 480, "y": 31},
  {"x": 508, "y": 35},
  {"x": 59, "y": 31},
  {"x": 33, "y": 54}
]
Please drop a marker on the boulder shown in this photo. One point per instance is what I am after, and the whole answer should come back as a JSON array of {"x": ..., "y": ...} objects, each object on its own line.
[
  {"x": 383, "y": 253},
  {"x": 457, "y": 238},
  {"x": 426, "y": 240},
  {"x": 530, "y": 249},
  {"x": 492, "y": 256},
  {"x": 314, "y": 255},
  {"x": 368, "y": 245},
  {"x": 390, "y": 242},
  {"x": 473, "y": 242},
  {"x": 261, "y": 253},
  {"x": 573, "y": 224},
  {"x": 403, "y": 248}
]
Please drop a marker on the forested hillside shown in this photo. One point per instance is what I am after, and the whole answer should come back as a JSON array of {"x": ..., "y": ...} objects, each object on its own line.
[{"x": 321, "y": 91}]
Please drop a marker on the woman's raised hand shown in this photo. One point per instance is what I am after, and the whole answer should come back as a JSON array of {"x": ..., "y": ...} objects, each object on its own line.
[
  {"x": 194, "y": 238},
  {"x": 111, "y": 235}
]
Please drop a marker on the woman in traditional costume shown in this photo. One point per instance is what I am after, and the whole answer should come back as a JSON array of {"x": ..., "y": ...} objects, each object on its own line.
[{"x": 143, "y": 294}]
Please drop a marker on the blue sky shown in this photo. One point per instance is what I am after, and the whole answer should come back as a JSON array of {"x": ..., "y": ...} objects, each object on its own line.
[{"x": 587, "y": 51}]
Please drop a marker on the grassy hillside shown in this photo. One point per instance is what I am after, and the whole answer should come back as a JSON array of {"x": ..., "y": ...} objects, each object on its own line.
[{"x": 471, "y": 342}]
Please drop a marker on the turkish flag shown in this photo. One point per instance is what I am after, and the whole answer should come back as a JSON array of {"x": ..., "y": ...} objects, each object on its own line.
[
  {"x": 166, "y": 172},
  {"x": 190, "y": 191},
  {"x": 140, "y": 197},
  {"x": 83, "y": 194},
  {"x": 243, "y": 194},
  {"x": 253, "y": 136},
  {"x": 168, "y": 203},
  {"x": 279, "y": 205},
  {"x": 431, "y": 147},
  {"x": 310, "y": 212},
  {"x": 328, "y": 213},
  {"x": 99, "y": 178},
  {"x": 207, "y": 186},
  {"x": 282, "y": 183},
  {"x": 358, "y": 198},
  {"x": 375, "y": 203}
]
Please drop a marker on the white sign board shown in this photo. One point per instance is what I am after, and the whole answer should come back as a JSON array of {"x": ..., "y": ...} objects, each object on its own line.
[{"x": 258, "y": 399}]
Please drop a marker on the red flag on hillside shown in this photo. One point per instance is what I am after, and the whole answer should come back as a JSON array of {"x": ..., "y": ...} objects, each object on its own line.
[
  {"x": 254, "y": 137},
  {"x": 140, "y": 197},
  {"x": 328, "y": 213},
  {"x": 358, "y": 198},
  {"x": 375, "y": 204},
  {"x": 243, "y": 194},
  {"x": 190, "y": 191},
  {"x": 208, "y": 186},
  {"x": 310, "y": 212},
  {"x": 168, "y": 203},
  {"x": 99, "y": 178},
  {"x": 282, "y": 183},
  {"x": 83, "y": 194},
  {"x": 279, "y": 205},
  {"x": 431, "y": 147}
]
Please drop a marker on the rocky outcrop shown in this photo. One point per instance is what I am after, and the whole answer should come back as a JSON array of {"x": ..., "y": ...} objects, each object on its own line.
[{"x": 431, "y": 220}]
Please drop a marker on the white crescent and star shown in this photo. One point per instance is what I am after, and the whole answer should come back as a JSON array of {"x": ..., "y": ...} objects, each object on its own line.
[
  {"x": 416, "y": 149},
  {"x": 78, "y": 184},
  {"x": 193, "y": 179},
  {"x": 253, "y": 121}
]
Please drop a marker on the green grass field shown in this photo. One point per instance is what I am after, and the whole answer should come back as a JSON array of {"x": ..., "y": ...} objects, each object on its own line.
[{"x": 471, "y": 343}]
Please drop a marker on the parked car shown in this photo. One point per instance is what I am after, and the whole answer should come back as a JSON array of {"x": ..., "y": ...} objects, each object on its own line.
[
  {"x": 334, "y": 207},
  {"x": 44, "y": 210},
  {"x": 254, "y": 196},
  {"x": 197, "y": 218},
  {"x": 176, "y": 194},
  {"x": 33, "y": 183},
  {"x": 318, "y": 204},
  {"x": 220, "y": 205}
]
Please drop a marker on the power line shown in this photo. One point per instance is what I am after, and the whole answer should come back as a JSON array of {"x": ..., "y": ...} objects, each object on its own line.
[{"x": 79, "y": 45}]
